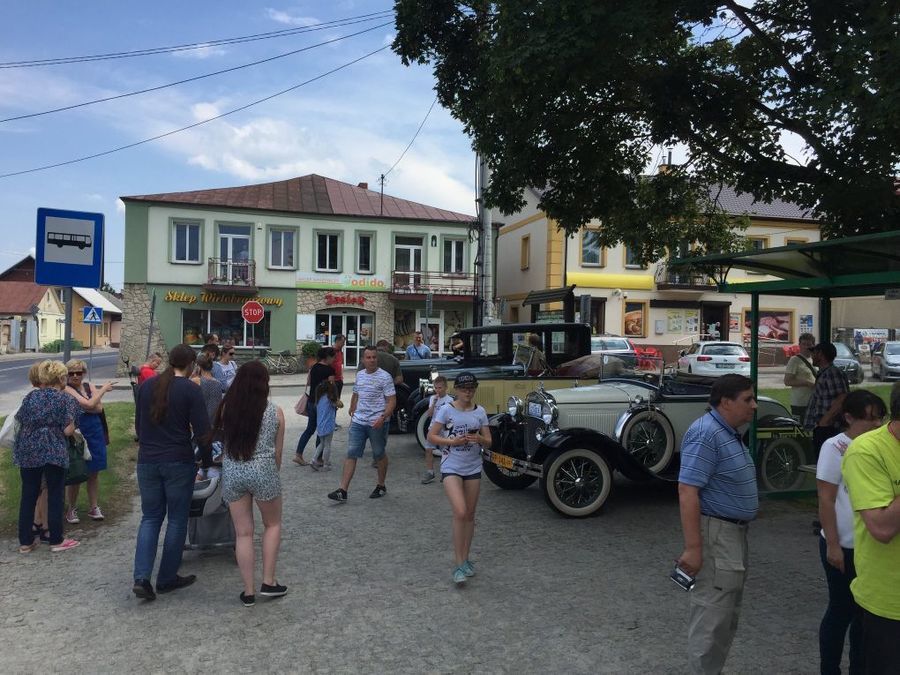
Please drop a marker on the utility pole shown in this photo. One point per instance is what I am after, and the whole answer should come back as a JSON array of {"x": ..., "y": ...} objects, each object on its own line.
[{"x": 484, "y": 259}]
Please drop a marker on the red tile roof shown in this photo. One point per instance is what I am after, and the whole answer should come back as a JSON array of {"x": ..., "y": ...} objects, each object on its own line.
[
  {"x": 309, "y": 194},
  {"x": 18, "y": 297}
]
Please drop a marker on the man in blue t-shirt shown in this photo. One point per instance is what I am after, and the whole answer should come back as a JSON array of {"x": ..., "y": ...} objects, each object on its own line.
[
  {"x": 718, "y": 499},
  {"x": 418, "y": 349}
]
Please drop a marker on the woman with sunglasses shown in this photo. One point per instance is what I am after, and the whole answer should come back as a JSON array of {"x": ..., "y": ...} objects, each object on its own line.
[
  {"x": 93, "y": 427},
  {"x": 227, "y": 367},
  {"x": 460, "y": 429}
]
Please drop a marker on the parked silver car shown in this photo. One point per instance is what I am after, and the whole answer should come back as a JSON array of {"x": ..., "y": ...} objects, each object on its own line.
[{"x": 886, "y": 361}]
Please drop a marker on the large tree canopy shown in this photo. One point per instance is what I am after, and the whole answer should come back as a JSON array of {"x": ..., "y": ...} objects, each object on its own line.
[{"x": 572, "y": 96}]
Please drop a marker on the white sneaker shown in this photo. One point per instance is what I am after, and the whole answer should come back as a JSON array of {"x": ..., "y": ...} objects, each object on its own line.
[
  {"x": 72, "y": 516},
  {"x": 95, "y": 513}
]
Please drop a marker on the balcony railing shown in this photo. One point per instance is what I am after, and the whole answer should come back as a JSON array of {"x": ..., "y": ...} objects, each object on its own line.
[
  {"x": 231, "y": 275},
  {"x": 682, "y": 278},
  {"x": 438, "y": 283}
]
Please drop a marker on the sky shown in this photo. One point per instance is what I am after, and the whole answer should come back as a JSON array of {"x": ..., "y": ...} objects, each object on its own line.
[{"x": 351, "y": 125}]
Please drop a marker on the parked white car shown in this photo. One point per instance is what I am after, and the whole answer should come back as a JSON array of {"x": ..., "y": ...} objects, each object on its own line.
[{"x": 712, "y": 359}]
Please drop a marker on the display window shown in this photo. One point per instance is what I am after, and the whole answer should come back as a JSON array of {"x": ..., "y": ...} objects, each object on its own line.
[{"x": 227, "y": 324}]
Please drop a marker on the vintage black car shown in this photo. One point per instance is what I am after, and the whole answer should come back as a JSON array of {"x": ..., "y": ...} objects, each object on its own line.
[
  {"x": 500, "y": 357},
  {"x": 574, "y": 439}
]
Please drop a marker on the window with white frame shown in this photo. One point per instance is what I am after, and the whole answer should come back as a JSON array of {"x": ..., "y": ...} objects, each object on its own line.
[
  {"x": 185, "y": 242},
  {"x": 592, "y": 254},
  {"x": 281, "y": 249},
  {"x": 454, "y": 256},
  {"x": 364, "y": 251},
  {"x": 328, "y": 252},
  {"x": 631, "y": 259}
]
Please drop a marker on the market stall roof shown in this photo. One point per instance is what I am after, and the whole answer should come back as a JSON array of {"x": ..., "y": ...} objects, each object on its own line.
[{"x": 853, "y": 266}]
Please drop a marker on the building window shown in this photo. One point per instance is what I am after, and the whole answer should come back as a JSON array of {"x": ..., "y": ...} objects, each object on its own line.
[
  {"x": 794, "y": 240},
  {"x": 592, "y": 254},
  {"x": 514, "y": 315},
  {"x": 43, "y": 326},
  {"x": 632, "y": 261},
  {"x": 281, "y": 249},
  {"x": 365, "y": 248},
  {"x": 185, "y": 242},
  {"x": 328, "y": 252},
  {"x": 454, "y": 256},
  {"x": 227, "y": 324},
  {"x": 757, "y": 244},
  {"x": 525, "y": 252}
]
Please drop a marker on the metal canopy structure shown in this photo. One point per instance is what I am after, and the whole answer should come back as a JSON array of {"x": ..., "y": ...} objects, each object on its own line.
[
  {"x": 566, "y": 295},
  {"x": 858, "y": 266},
  {"x": 850, "y": 267}
]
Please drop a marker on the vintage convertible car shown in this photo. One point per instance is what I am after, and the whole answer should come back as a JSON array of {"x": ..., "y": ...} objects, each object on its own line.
[{"x": 573, "y": 439}]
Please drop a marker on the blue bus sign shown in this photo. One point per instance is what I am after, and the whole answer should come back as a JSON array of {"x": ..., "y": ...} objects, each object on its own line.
[{"x": 69, "y": 248}]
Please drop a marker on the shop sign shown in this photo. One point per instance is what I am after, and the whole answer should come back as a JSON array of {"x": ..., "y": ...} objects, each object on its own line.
[
  {"x": 332, "y": 299},
  {"x": 222, "y": 298},
  {"x": 342, "y": 282}
]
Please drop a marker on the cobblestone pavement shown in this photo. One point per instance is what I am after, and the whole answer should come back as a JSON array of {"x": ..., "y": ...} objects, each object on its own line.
[{"x": 370, "y": 589}]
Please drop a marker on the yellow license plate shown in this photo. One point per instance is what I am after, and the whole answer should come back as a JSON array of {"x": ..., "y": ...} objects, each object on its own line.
[{"x": 502, "y": 460}]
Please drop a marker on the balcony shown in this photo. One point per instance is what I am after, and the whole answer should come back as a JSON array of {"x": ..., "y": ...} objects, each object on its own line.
[
  {"x": 416, "y": 285},
  {"x": 682, "y": 279},
  {"x": 233, "y": 276}
]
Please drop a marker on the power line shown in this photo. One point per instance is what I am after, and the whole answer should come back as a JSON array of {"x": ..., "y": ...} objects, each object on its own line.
[
  {"x": 373, "y": 16},
  {"x": 190, "y": 79},
  {"x": 195, "y": 124},
  {"x": 409, "y": 145}
]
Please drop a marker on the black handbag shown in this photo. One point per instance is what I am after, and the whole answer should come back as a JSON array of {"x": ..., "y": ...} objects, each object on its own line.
[{"x": 77, "y": 471}]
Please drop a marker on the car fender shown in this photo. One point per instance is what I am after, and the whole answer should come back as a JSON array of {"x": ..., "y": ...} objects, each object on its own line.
[
  {"x": 418, "y": 407},
  {"x": 626, "y": 417},
  {"x": 617, "y": 456}
]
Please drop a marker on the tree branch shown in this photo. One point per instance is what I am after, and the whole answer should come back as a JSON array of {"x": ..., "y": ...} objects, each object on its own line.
[{"x": 741, "y": 13}]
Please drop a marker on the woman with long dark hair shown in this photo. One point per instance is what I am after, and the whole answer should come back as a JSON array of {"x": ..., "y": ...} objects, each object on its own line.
[
  {"x": 252, "y": 430},
  {"x": 170, "y": 410}
]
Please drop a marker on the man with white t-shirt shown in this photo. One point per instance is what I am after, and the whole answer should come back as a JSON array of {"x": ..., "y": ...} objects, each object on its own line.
[{"x": 374, "y": 398}]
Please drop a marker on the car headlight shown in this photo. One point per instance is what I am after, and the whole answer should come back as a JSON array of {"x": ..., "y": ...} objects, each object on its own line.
[
  {"x": 514, "y": 407},
  {"x": 549, "y": 412}
]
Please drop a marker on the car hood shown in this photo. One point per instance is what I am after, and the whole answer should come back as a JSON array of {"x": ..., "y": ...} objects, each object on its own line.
[
  {"x": 844, "y": 364},
  {"x": 893, "y": 359},
  {"x": 619, "y": 392}
]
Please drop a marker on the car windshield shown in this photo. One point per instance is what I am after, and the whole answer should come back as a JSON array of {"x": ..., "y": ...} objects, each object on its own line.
[
  {"x": 608, "y": 344},
  {"x": 843, "y": 351},
  {"x": 724, "y": 350},
  {"x": 892, "y": 348}
]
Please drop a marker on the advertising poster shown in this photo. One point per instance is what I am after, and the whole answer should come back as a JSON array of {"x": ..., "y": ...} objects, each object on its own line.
[
  {"x": 692, "y": 321},
  {"x": 774, "y": 325},
  {"x": 674, "y": 321},
  {"x": 806, "y": 323},
  {"x": 635, "y": 320}
]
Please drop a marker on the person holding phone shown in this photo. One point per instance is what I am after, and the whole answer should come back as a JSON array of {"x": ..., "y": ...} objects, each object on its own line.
[{"x": 460, "y": 429}]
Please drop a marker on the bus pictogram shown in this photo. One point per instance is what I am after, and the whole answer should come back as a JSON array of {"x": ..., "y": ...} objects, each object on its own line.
[{"x": 82, "y": 241}]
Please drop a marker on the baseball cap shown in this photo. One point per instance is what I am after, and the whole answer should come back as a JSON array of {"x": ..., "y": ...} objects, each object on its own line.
[
  {"x": 465, "y": 379},
  {"x": 828, "y": 350}
]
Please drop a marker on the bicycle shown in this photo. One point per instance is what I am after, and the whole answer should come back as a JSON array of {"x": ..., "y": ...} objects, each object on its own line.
[{"x": 283, "y": 363}]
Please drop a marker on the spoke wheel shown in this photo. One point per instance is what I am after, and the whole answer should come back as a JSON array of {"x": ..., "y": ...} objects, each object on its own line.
[
  {"x": 649, "y": 438},
  {"x": 779, "y": 466},
  {"x": 576, "y": 482}
]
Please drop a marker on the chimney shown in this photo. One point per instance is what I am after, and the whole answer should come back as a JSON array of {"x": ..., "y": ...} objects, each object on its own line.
[{"x": 364, "y": 186}]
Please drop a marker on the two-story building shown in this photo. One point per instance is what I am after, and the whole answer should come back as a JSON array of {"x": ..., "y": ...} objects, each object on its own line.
[
  {"x": 652, "y": 304},
  {"x": 323, "y": 257}
]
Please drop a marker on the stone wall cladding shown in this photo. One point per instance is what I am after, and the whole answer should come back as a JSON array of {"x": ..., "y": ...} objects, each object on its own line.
[
  {"x": 135, "y": 325},
  {"x": 312, "y": 302}
]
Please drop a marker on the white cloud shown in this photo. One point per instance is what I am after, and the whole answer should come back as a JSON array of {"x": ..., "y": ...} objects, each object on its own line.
[
  {"x": 289, "y": 19},
  {"x": 94, "y": 197},
  {"x": 203, "y": 52}
]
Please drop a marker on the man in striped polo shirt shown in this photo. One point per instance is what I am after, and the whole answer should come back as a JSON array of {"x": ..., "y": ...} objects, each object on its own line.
[{"x": 718, "y": 498}]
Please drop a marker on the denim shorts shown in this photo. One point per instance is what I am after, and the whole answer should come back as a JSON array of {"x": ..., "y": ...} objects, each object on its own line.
[{"x": 357, "y": 436}]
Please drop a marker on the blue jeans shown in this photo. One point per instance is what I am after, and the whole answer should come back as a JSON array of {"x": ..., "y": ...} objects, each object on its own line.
[
  {"x": 31, "y": 490},
  {"x": 311, "y": 425},
  {"x": 166, "y": 491},
  {"x": 842, "y": 612},
  {"x": 358, "y": 435}
]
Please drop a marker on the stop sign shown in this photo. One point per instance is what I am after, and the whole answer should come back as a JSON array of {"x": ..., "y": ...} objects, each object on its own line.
[{"x": 252, "y": 311}]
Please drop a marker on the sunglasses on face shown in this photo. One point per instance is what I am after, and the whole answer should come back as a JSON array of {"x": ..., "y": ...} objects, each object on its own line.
[{"x": 73, "y": 373}]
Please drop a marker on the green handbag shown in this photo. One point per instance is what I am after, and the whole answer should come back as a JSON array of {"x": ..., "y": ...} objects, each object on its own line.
[{"x": 77, "y": 471}]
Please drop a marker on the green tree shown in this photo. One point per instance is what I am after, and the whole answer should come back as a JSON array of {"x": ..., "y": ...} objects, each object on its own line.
[
  {"x": 107, "y": 288},
  {"x": 574, "y": 95}
]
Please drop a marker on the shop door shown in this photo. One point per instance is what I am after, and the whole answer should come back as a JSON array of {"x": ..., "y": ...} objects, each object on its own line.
[
  {"x": 357, "y": 328},
  {"x": 408, "y": 262},
  {"x": 234, "y": 252}
]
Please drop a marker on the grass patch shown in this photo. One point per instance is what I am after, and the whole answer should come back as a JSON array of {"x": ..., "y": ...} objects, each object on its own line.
[{"x": 115, "y": 487}]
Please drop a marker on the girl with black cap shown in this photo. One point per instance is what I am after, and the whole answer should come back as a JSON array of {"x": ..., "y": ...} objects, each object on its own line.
[{"x": 461, "y": 430}]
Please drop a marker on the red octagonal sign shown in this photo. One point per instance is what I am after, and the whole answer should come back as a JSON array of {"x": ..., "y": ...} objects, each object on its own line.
[{"x": 252, "y": 311}]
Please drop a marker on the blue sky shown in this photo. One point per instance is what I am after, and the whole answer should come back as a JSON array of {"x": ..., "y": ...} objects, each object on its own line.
[{"x": 351, "y": 125}]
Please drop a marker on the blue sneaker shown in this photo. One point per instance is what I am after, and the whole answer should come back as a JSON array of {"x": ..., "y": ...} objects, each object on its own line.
[
  {"x": 459, "y": 576},
  {"x": 468, "y": 568}
]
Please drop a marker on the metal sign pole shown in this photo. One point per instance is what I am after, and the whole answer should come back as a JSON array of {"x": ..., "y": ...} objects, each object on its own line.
[
  {"x": 91, "y": 357},
  {"x": 67, "y": 331}
]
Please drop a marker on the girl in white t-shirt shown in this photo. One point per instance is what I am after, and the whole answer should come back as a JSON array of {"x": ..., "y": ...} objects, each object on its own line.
[
  {"x": 460, "y": 429},
  {"x": 862, "y": 411},
  {"x": 438, "y": 399}
]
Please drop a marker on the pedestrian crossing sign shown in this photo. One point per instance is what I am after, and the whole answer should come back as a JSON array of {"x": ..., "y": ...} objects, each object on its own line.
[{"x": 92, "y": 314}]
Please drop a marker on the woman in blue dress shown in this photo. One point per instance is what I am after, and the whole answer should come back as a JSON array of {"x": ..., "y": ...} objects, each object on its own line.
[{"x": 92, "y": 426}]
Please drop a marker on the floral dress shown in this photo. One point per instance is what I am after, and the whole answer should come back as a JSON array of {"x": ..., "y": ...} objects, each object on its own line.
[
  {"x": 43, "y": 417},
  {"x": 257, "y": 476}
]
